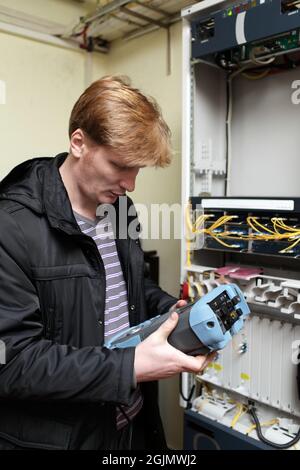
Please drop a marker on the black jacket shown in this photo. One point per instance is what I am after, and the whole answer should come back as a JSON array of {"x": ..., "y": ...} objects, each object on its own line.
[{"x": 59, "y": 386}]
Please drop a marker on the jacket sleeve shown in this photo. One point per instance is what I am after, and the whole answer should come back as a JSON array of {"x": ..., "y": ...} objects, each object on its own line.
[
  {"x": 157, "y": 300},
  {"x": 34, "y": 368}
]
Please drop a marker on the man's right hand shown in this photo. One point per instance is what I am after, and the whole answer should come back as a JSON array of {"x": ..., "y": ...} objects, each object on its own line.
[{"x": 156, "y": 359}]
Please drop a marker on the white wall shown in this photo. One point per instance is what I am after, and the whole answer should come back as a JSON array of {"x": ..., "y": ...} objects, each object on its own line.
[
  {"x": 63, "y": 12},
  {"x": 42, "y": 83}
]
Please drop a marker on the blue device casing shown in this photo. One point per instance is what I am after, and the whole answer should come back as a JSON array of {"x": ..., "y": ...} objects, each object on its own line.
[
  {"x": 202, "y": 318},
  {"x": 199, "y": 325}
]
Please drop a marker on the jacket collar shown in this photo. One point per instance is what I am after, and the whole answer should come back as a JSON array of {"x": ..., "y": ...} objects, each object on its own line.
[{"x": 56, "y": 201}]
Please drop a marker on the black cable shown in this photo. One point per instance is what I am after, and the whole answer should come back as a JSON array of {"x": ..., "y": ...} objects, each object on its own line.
[
  {"x": 266, "y": 441},
  {"x": 228, "y": 98},
  {"x": 226, "y": 63},
  {"x": 188, "y": 399}
]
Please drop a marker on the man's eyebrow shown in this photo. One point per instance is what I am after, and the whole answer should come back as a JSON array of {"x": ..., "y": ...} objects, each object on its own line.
[{"x": 125, "y": 167}]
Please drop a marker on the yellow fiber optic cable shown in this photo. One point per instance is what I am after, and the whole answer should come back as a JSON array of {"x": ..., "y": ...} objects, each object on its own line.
[
  {"x": 290, "y": 246},
  {"x": 201, "y": 219},
  {"x": 280, "y": 232},
  {"x": 199, "y": 288},
  {"x": 274, "y": 221},
  {"x": 219, "y": 240},
  {"x": 252, "y": 220},
  {"x": 283, "y": 226},
  {"x": 187, "y": 218},
  {"x": 188, "y": 253},
  {"x": 256, "y": 76},
  {"x": 242, "y": 409},
  {"x": 267, "y": 423},
  {"x": 221, "y": 221}
]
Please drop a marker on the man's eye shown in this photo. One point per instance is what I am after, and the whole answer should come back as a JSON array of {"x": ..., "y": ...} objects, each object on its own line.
[{"x": 119, "y": 167}]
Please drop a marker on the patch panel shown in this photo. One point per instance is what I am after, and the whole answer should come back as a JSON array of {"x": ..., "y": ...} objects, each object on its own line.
[
  {"x": 246, "y": 24},
  {"x": 251, "y": 231}
]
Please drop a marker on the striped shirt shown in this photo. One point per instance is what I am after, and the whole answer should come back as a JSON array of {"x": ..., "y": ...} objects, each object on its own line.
[{"x": 116, "y": 317}]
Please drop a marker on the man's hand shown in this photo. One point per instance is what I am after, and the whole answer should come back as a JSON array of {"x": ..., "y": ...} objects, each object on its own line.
[
  {"x": 156, "y": 359},
  {"x": 179, "y": 303}
]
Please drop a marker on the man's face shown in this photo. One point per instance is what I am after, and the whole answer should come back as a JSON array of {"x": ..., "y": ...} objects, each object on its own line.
[{"x": 102, "y": 176}]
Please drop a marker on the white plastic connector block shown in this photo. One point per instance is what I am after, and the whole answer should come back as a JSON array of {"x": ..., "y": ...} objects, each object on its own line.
[
  {"x": 260, "y": 291},
  {"x": 212, "y": 406},
  {"x": 288, "y": 425}
]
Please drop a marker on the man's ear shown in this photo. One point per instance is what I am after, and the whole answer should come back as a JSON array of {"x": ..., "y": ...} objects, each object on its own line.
[{"x": 77, "y": 141}]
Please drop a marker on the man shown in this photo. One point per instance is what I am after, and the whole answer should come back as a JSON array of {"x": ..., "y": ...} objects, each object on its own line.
[{"x": 66, "y": 287}]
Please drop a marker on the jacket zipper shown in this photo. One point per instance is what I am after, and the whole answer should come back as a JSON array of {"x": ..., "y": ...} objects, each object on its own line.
[{"x": 49, "y": 324}]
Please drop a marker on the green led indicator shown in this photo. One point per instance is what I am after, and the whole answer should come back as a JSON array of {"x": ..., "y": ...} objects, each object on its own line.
[{"x": 229, "y": 12}]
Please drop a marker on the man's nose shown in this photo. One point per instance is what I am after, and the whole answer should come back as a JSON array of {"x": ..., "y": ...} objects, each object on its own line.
[{"x": 128, "y": 182}]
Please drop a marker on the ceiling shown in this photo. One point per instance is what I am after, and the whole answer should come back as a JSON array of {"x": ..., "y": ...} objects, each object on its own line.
[
  {"x": 95, "y": 24},
  {"x": 115, "y": 19}
]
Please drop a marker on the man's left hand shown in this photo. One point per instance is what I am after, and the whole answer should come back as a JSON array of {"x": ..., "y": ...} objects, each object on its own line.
[{"x": 180, "y": 303}]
